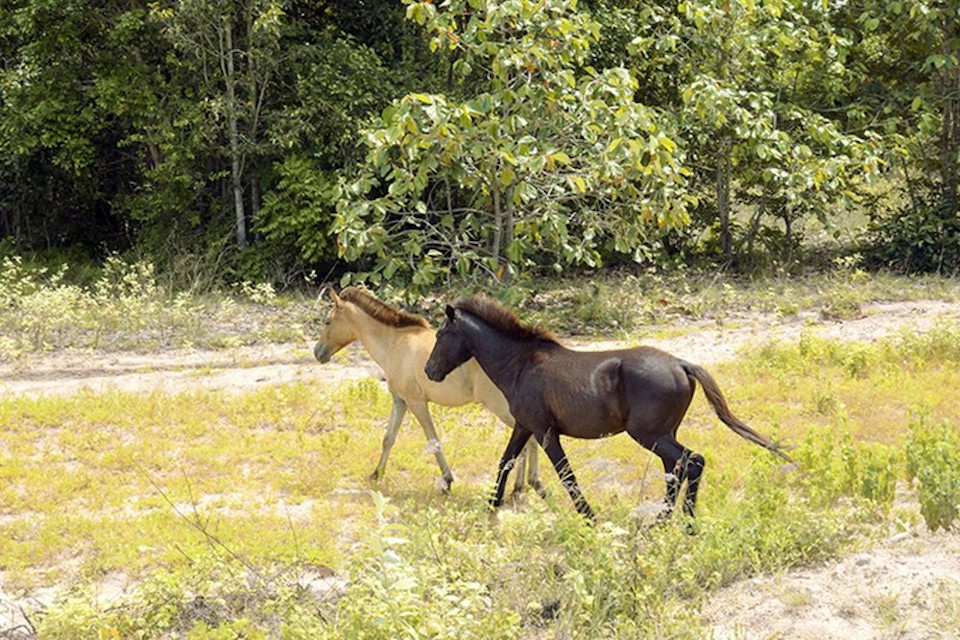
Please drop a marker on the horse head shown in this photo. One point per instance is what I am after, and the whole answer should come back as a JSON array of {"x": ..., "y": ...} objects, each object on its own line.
[
  {"x": 337, "y": 332},
  {"x": 451, "y": 349}
]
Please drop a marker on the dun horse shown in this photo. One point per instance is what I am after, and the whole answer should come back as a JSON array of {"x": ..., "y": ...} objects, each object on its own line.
[
  {"x": 400, "y": 343},
  {"x": 554, "y": 391}
]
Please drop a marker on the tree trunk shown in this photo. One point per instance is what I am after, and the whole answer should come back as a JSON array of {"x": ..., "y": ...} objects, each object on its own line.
[
  {"x": 949, "y": 134},
  {"x": 723, "y": 197},
  {"x": 497, "y": 224},
  {"x": 236, "y": 170},
  {"x": 507, "y": 241}
]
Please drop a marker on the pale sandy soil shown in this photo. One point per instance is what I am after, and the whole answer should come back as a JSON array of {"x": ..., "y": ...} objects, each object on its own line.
[
  {"x": 908, "y": 586},
  {"x": 246, "y": 368}
]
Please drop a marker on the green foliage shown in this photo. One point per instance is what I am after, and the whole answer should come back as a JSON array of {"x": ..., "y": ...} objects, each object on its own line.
[
  {"x": 532, "y": 135},
  {"x": 277, "y": 477},
  {"x": 858, "y": 360},
  {"x": 834, "y": 466},
  {"x": 397, "y": 593},
  {"x": 300, "y": 208},
  {"x": 748, "y": 81},
  {"x": 914, "y": 240},
  {"x": 123, "y": 307},
  {"x": 905, "y": 67},
  {"x": 933, "y": 459},
  {"x": 545, "y": 162},
  {"x": 212, "y": 598},
  {"x": 843, "y": 295}
]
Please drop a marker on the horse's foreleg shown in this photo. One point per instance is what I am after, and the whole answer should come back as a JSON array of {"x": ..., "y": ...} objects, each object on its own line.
[
  {"x": 422, "y": 413},
  {"x": 518, "y": 439},
  {"x": 551, "y": 444},
  {"x": 521, "y": 469},
  {"x": 396, "y": 417}
]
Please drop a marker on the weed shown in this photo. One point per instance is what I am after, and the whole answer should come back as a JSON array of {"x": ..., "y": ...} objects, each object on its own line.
[
  {"x": 125, "y": 307},
  {"x": 933, "y": 459},
  {"x": 834, "y": 466},
  {"x": 146, "y": 483}
]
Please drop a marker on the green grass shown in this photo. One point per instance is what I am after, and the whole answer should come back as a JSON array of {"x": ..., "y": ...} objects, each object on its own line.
[
  {"x": 213, "y": 504},
  {"x": 618, "y": 305},
  {"x": 125, "y": 306}
]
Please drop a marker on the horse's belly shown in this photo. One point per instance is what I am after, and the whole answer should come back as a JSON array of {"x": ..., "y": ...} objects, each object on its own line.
[{"x": 590, "y": 423}]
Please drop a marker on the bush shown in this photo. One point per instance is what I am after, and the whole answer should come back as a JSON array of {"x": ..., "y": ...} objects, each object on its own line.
[
  {"x": 834, "y": 466},
  {"x": 918, "y": 240},
  {"x": 933, "y": 459}
]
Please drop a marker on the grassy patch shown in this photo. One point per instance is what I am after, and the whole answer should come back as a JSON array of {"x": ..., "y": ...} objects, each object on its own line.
[
  {"x": 215, "y": 506},
  {"x": 126, "y": 306},
  {"x": 617, "y": 304}
]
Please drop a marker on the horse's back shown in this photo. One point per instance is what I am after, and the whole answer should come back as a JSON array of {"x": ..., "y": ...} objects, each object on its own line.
[{"x": 597, "y": 393}]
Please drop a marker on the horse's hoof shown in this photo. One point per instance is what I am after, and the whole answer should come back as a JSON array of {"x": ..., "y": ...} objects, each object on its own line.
[
  {"x": 444, "y": 484},
  {"x": 375, "y": 476},
  {"x": 540, "y": 488}
]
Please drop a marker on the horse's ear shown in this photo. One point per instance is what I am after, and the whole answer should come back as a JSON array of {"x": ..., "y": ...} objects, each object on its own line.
[
  {"x": 334, "y": 297},
  {"x": 451, "y": 313}
]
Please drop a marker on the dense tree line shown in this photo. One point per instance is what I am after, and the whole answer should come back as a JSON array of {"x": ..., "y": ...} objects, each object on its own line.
[{"x": 414, "y": 139}]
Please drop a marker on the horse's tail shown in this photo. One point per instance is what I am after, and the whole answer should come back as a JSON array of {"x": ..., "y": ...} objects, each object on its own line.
[{"x": 719, "y": 403}]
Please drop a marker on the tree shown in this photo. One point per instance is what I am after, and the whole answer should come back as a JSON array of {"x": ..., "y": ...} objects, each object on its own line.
[
  {"x": 336, "y": 83},
  {"x": 235, "y": 45},
  {"x": 543, "y": 159},
  {"x": 754, "y": 86},
  {"x": 905, "y": 78},
  {"x": 58, "y": 162}
]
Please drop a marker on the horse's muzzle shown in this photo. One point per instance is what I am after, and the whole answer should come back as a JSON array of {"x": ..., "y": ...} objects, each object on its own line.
[
  {"x": 433, "y": 372},
  {"x": 321, "y": 353}
]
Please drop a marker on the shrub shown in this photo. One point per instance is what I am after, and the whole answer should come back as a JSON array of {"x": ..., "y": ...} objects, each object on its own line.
[
  {"x": 833, "y": 465},
  {"x": 933, "y": 459}
]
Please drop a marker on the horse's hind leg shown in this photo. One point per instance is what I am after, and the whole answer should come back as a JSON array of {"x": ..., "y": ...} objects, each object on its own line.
[
  {"x": 670, "y": 453},
  {"x": 422, "y": 413},
  {"x": 396, "y": 417},
  {"x": 692, "y": 465},
  {"x": 528, "y": 470},
  {"x": 521, "y": 470},
  {"x": 533, "y": 470},
  {"x": 551, "y": 444},
  {"x": 680, "y": 465},
  {"x": 675, "y": 458}
]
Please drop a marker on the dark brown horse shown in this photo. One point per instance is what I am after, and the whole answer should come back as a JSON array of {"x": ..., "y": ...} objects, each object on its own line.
[{"x": 554, "y": 391}]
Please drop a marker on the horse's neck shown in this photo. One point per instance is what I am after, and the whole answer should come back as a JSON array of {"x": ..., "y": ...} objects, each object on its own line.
[
  {"x": 500, "y": 357},
  {"x": 378, "y": 339}
]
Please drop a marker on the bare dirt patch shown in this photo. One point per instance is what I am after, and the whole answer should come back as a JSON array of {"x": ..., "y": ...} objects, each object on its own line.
[
  {"x": 907, "y": 586},
  {"x": 243, "y": 369},
  {"x": 236, "y": 370}
]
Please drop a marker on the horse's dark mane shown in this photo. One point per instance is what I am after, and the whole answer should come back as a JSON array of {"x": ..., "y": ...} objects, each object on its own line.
[
  {"x": 381, "y": 311},
  {"x": 502, "y": 319}
]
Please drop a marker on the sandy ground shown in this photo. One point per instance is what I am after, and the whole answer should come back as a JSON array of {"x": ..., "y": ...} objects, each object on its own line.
[
  {"x": 908, "y": 586},
  {"x": 246, "y": 368}
]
